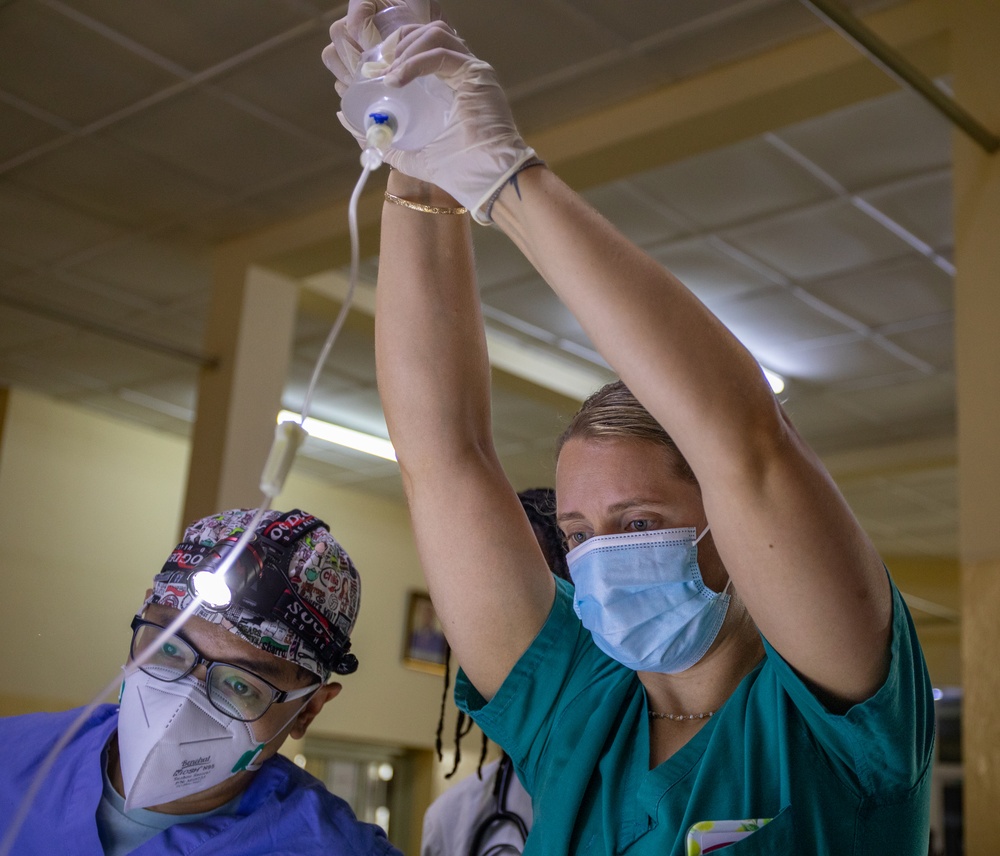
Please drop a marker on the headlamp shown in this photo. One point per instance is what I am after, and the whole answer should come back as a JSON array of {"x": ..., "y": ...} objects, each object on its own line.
[
  {"x": 256, "y": 581},
  {"x": 219, "y": 589}
]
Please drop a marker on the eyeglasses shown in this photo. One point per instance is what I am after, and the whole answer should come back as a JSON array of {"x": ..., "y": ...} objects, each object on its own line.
[{"x": 232, "y": 690}]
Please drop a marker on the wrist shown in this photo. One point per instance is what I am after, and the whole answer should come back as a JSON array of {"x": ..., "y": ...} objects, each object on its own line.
[
  {"x": 507, "y": 201},
  {"x": 422, "y": 192},
  {"x": 483, "y": 211}
]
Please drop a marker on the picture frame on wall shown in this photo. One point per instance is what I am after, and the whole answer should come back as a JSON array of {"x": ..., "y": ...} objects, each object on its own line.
[{"x": 424, "y": 645}]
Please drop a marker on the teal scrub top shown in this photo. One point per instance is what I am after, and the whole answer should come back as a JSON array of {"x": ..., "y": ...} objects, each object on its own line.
[{"x": 575, "y": 724}]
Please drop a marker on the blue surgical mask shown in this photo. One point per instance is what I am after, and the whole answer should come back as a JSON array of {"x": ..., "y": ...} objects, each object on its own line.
[{"x": 641, "y": 596}]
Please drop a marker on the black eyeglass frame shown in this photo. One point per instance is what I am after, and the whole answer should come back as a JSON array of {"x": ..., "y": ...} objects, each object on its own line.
[{"x": 277, "y": 696}]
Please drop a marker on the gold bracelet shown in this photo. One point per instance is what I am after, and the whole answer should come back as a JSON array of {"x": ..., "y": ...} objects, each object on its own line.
[{"x": 419, "y": 206}]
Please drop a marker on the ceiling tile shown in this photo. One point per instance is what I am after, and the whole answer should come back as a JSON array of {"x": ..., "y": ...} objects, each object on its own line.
[
  {"x": 934, "y": 343},
  {"x": 530, "y": 29},
  {"x": 200, "y": 35},
  {"x": 221, "y": 144},
  {"x": 291, "y": 82},
  {"x": 330, "y": 384},
  {"x": 938, "y": 487},
  {"x": 101, "y": 363},
  {"x": 876, "y": 141},
  {"x": 138, "y": 411},
  {"x": 41, "y": 230},
  {"x": 901, "y": 290},
  {"x": 518, "y": 417},
  {"x": 629, "y": 208},
  {"x": 180, "y": 325},
  {"x": 123, "y": 187},
  {"x": 923, "y": 405},
  {"x": 175, "y": 396},
  {"x": 819, "y": 241},
  {"x": 923, "y": 207},
  {"x": 497, "y": 259},
  {"x": 67, "y": 69},
  {"x": 661, "y": 58},
  {"x": 841, "y": 360},
  {"x": 352, "y": 356},
  {"x": 21, "y": 132},
  {"x": 65, "y": 297},
  {"x": 643, "y": 17},
  {"x": 584, "y": 86},
  {"x": 19, "y": 328},
  {"x": 313, "y": 185},
  {"x": 715, "y": 276},
  {"x": 882, "y": 500},
  {"x": 17, "y": 371},
  {"x": 822, "y": 417},
  {"x": 153, "y": 269},
  {"x": 11, "y": 268},
  {"x": 359, "y": 409},
  {"x": 734, "y": 184},
  {"x": 770, "y": 323},
  {"x": 534, "y": 302},
  {"x": 752, "y": 28}
]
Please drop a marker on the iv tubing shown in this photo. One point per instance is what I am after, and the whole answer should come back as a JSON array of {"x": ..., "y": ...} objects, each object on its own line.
[
  {"x": 352, "y": 219},
  {"x": 371, "y": 159}
]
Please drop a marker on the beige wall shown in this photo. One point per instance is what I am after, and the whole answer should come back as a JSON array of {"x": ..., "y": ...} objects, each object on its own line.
[
  {"x": 89, "y": 508},
  {"x": 935, "y": 580}
]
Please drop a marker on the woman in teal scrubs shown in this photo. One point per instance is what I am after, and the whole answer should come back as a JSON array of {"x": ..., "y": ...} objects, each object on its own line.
[{"x": 733, "y": 659}]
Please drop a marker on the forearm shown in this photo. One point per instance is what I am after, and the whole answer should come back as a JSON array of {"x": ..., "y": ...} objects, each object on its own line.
[{"x": 433, "y": 371}]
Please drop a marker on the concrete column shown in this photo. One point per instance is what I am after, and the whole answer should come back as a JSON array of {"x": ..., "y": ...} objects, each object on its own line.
[
  {"x": 249, "y": 335},
  {"x": 975, "y": 37}
]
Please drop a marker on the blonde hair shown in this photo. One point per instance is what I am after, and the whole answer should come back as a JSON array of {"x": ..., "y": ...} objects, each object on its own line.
[{"x": 614, "y": 412}]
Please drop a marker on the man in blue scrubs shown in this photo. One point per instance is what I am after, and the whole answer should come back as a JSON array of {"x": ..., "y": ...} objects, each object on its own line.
[{"x": 188, "y": 761}]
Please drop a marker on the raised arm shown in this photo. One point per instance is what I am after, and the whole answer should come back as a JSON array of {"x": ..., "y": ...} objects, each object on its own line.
[
  {"x": 487, "y": 577},
  {"x": 806, "y": 571}
]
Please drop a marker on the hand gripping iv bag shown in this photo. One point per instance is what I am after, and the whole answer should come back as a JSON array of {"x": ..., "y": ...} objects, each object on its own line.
[{"x": 415, "y": 113}]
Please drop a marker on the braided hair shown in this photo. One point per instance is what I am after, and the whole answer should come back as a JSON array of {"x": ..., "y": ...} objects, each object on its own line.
[{"x": 539, "y": 505}]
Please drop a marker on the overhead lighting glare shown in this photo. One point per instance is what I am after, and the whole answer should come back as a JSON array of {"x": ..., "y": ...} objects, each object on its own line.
[
  {"x": 341, "y": 436},
  {"x": 777, "y": 381}
]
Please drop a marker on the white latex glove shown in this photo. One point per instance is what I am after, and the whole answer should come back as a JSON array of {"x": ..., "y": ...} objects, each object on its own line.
[
  {"x": 356, "y": 33},
  {"x": 480, "y": 149}
]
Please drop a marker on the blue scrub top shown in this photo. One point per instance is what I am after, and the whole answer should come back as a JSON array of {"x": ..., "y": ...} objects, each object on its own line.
[
  {"x": 575, "y": 724},
  {"x": 284, "y": 811}
]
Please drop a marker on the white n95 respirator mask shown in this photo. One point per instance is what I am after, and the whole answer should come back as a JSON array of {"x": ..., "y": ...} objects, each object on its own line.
[{"x": 173, "y": 743}]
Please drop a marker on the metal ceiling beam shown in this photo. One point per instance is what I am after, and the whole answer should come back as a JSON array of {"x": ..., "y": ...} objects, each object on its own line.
[{"x": 901, "y": 69}]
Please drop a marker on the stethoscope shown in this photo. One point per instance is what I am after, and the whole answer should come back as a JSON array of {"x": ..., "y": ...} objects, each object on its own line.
[{"x": 505, "y": 773}]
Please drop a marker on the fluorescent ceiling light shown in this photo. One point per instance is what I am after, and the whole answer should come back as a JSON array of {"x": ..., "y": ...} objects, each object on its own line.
[
  {"x": 340, "y": 436},
  {"x": 777, "y": 381}
]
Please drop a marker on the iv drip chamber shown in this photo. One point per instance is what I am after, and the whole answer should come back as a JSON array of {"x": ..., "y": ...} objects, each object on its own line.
[{"x": 417, "y": 112}]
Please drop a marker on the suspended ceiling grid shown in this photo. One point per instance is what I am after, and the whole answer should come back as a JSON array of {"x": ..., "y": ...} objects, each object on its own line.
[{"x": 135, "y": 138}]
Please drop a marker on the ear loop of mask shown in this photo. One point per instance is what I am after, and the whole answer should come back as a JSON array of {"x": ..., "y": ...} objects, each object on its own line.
[
  {"x": 253, "y": 767},
  {"x": 289, "y": 436},
  {"x": 729, "y": 579}
]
